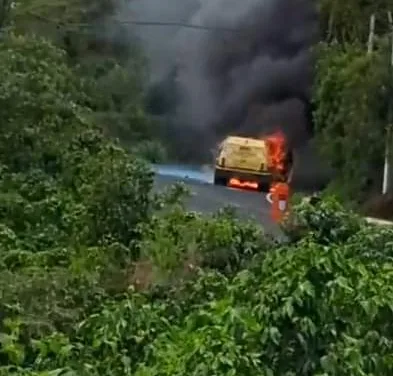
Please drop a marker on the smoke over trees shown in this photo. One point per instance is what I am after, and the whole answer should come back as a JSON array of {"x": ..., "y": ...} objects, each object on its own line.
[{"x": 250, "y": 72}]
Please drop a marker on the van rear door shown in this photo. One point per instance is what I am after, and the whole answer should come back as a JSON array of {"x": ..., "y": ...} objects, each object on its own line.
[{"x": 247, "y": 157}]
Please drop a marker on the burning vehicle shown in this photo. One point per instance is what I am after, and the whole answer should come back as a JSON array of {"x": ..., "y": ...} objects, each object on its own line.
[{"x": 254, "y": 163}]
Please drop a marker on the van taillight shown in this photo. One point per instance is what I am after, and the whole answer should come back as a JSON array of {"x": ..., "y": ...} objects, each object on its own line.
[{"x": 262, "y": 167}]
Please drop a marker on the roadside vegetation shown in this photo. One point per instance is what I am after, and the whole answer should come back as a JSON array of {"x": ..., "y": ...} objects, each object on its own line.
[
  {"x": 99, "y": 275},
  {"x": 352, "y": 97}
]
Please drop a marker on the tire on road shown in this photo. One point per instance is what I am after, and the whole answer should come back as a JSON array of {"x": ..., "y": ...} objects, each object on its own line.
[
  {"x": 219, "y": 179},
  {"x": 264, "y": 187}
]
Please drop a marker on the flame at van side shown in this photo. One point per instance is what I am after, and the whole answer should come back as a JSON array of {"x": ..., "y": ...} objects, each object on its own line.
[{"x": 277, "y": 152}]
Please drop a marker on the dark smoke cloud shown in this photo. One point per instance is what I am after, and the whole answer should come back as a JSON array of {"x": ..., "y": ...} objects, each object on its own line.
[
  {"x": 158, "y": 41},
  {"x": 263, "y": 65},
  {"x": 250, "y": 75}
]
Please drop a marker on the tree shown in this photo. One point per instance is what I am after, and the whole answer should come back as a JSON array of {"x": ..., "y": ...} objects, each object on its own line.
[
  {"x": 67, "y": 193},
  {"x": 80, "y": 27},
  {"x": 351, "y": 113},
  {"x": 105, "y": 54},
  {"x": 40, "y": 92},
  {"x": 348, "y": 22},
  {"x": 5, "y": 8}
]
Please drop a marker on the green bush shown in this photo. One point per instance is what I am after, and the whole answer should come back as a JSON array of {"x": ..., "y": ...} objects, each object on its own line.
[
  {"x": 319, "y": 305},
  {"x": 325, "y": 221},
  {"x": 180, "y": 238},
  {"x": 70, "y": 200},
  {"x": 152, "y": 151}
]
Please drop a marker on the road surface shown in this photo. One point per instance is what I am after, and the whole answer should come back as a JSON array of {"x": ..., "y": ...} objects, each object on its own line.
[{"x": 208, "y": 198}]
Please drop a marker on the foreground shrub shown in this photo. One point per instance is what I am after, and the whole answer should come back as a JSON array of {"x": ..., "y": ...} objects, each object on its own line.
[
  {"x": 179, "y": 239},
  {"x": 308, "y": 307},
  {"x": 325, "y": 221},
  {"x": 70, "y": 200}
]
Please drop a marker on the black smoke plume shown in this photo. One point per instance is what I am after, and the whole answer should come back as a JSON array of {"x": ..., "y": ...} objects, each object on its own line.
[
  {"x": 253, "y": 72},
  {"x": 250, "y": 73}
]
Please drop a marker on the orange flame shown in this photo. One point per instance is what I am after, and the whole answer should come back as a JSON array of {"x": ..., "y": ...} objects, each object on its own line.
[
  {"x": 277, "y": 145},
  {"x": 236, "y": 183}
]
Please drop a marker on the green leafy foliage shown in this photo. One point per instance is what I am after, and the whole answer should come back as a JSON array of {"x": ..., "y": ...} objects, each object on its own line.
[
  {"x": 348, "y": 22},
  {"x": 70, "y": 201},
  {"x": 324, "y": 221},
  {"x": 104, "y": 53},
  {"x": 309, "y": 307},
  {"x": 352, "y": 96},
  {"x": 351, "y": 115},
  {"x": 72, "y": 24},
  {"x": 179, "y": 239}
]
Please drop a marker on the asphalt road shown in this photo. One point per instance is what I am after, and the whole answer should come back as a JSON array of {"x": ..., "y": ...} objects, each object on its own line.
[
  {"x": 208, "y": 198},
  {"x": 310, "y": 175}
]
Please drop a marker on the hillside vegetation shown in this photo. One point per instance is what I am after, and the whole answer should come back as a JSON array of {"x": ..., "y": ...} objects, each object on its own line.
[
  {"x": 352, "y": 96},
  {"x": 101, "y": 276}
]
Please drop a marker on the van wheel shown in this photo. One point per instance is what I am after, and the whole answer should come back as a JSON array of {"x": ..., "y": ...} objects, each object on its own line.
[
  {"x": 264, "y": 187},
  {"x": 219, "y": 180}
]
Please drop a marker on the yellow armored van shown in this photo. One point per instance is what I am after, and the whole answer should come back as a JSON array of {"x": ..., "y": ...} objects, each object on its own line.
[{"x": 243, "y": 160}]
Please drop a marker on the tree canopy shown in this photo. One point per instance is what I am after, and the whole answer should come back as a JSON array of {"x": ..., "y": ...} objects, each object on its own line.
[{"x": 352, "y": 94}]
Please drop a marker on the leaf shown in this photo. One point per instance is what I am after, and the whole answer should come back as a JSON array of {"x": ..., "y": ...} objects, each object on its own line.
[
  {"x": 274, "y": 335},
  {"x": 328, "y": 363}
]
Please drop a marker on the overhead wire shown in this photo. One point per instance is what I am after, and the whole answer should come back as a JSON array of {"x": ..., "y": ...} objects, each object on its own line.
[{"x": 78, "y": 25}]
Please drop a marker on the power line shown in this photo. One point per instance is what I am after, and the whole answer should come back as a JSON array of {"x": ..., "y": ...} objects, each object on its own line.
[{"x": 71, "y": 25}]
